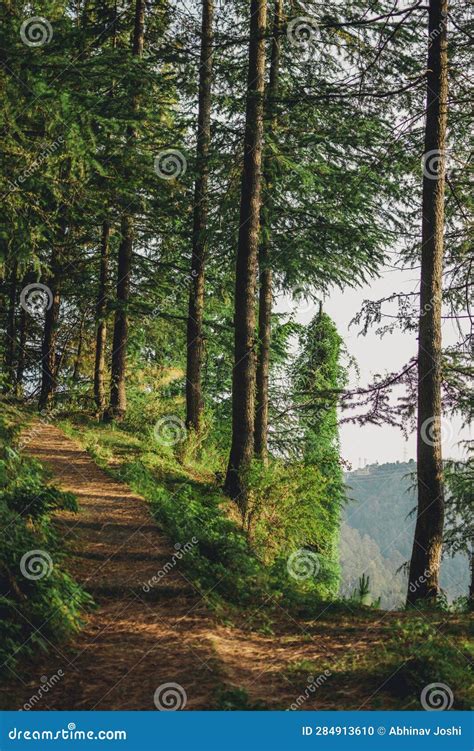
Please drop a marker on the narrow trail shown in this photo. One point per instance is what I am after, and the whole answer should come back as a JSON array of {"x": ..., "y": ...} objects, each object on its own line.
[{"x": 135, "y": 641}]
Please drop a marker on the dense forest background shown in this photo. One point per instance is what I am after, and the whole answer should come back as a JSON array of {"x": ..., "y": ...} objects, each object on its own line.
[{"x": 171, "y": 172}]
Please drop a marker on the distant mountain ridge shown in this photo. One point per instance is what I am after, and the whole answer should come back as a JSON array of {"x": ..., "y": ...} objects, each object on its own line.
[{"x": 377, "y": 534}]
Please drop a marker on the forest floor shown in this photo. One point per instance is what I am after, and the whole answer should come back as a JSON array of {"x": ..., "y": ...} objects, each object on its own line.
[{"x": 134, "y": 641}]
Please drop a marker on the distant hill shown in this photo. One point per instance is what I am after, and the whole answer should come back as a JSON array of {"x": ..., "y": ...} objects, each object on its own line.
[{"x": 377, "y": 534}]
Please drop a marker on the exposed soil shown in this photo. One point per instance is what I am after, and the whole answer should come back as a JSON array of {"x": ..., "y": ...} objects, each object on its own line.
[{"x": 137, "y": 640}]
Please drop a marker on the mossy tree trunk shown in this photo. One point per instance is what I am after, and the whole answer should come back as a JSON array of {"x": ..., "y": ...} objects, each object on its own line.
[{"x": 243, "y": 379}]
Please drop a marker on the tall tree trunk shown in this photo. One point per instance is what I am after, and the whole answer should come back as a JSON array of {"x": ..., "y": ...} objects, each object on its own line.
[
  {"x": 265, "y": 270},
  {"x": 243, "y": 379},
  {"x": 118, "y": 398},
  {"x": 22, "y": 334},
  {"x": 77, "y": 359},
  {"x": 426, "y": 555},
  {"x": 22, "y": 337},
  {"x": 196, "y": 296},
  {"x": 101, "y": 310},
  {"x": 48, "y": 348},
  {"x": 471, "y": 585},
  {"x": 10, "y": 328}
]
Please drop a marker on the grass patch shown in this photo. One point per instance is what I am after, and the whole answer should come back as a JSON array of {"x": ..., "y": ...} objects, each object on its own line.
[
  {"x": 39, "y": 601},
  {"x": 187, "y": 503}
]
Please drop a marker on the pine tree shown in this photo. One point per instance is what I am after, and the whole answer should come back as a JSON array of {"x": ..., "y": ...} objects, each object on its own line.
[
  {"x": 265, "y": 269},
  {"x": 427, "y": 544},
  {"x": 118, "y": 397},
  {"x": 243, "y": 379},
  {"x": 101, "y": 322},
  {"x": 318, "y": 379},
  {"x": 195, "y": 337}
]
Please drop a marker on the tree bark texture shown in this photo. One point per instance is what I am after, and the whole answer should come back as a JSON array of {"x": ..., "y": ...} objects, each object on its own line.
[
  {"x": 243, "y": 378},
  {"x": 195, "y": 340},
  {"x": 426, "y": 555},
  {"x": 101, "y": 323},
  {"x": 265, "y": 269}
]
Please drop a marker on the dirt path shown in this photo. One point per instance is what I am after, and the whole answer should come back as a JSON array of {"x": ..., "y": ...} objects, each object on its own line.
[{"x": 136, "y": 641}]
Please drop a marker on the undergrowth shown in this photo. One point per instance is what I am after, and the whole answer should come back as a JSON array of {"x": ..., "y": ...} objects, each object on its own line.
[
  {"x": 235, "y": 578},
  {"x": 228, "y": 565},
  {"x": 418, "y": 655},
  {"x": 39, "y": 602}
]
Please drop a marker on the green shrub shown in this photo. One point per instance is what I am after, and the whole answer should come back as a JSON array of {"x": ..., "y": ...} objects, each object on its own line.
[
  {"x": 237, "y": 566},
  {"x": 39, "y": 601},
  {"x": 291, "y": 513},
  {"x": 419, "y": 655}
]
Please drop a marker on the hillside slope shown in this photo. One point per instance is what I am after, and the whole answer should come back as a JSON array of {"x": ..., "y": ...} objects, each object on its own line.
[{"x": 376, "y": 534}]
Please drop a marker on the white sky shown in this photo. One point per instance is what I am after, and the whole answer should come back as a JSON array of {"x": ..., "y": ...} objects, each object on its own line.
[{"x": 368, "y": 444}]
